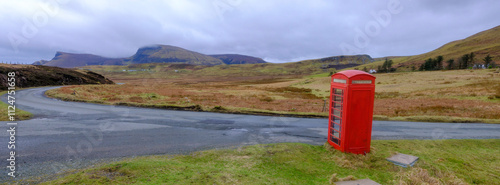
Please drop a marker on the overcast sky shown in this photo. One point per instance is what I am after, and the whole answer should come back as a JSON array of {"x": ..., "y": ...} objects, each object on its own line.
[{"x": 277, "y": 31}]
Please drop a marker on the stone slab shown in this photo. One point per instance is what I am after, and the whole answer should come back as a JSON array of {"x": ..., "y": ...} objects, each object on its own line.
[
  {"x": 358, "y": 182},
  {"x": 403, "y": 160}
]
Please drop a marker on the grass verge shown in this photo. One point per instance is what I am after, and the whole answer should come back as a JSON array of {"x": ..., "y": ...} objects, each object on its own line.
[
  {"x": 20, "y": 114},
  {"x": 441, "y": 162}
]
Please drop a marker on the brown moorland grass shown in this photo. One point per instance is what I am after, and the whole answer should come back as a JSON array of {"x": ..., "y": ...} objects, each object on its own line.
[
  {"x": 400, "y": 107},
  {"x": 207, "y": 97},
  {"x": 467, "y": 95},
  {"x": 459, "y": 93}
]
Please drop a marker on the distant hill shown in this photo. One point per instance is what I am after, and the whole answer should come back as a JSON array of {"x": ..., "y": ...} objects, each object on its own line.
[
  {"x": 33, "y": 76},
  {"x": 68, "y": 60},
  {"x": 482, "y": 44},
  {"x": 387, "y": 57},
  {"x": 260, "y": 70},
  {"x": 172, "y": 54},
  {"x": 343, "y": 59},
  {"x": 149, "y": 54},
  {"x": 238, "y": 59}
]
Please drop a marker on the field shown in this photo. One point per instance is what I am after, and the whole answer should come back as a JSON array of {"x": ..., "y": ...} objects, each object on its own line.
[
  {"x": 438, "y": 96},
  {"x": 440, "y": 162}
]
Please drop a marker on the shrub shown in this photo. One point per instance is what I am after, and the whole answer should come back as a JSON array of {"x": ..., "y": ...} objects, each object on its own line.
[{"x": 267, "y": 99}]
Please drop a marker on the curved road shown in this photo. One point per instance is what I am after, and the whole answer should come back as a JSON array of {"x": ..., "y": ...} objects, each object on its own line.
[{"x": 64, "y": 135}]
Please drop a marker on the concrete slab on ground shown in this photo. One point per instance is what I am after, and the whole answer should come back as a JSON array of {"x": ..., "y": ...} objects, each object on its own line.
[
  {"x": 358, "y": 182},
  {"x": 403, "y": 160}
]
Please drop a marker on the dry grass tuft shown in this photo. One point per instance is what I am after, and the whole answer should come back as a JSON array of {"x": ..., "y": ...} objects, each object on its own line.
[
  {"x": 384, "y": 95},
  {"x": 417, "y": 176},
  {"x": 108, "y": 173},
  {"x": 353, "y": 161},
  {"x": 206, "y": 94},
  {"x": 348, "y": 178},
  {"x": 399, "y": 107},
  {"x": 333, "y": 179}
]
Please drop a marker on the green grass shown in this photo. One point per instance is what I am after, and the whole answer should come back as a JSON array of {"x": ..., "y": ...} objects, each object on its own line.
[
  {"x": 20, "y": 114},
  {"x": 441, "y": 162}
]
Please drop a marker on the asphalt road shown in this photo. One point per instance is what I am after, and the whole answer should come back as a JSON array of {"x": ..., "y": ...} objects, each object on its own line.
[{"x": 64, "y": 135}]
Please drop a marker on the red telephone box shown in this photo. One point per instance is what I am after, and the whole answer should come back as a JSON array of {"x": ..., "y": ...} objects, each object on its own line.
[{"x": 351, "y": 111}]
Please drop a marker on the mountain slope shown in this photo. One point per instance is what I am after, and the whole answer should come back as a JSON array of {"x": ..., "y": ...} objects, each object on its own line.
[
  {"x": 172, "y": 54},
  {"x": 68, "y": 60},
  {"x": 238, "y": 59},
  {"x": 149, "y": 54},
  {"x": 343, "y": 59},
  {"x": 33, "y": 76},
  {"x": 482, "y": 44}
]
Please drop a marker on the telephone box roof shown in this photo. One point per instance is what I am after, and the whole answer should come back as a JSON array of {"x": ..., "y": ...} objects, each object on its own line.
[{"x": 352, "y": 73}]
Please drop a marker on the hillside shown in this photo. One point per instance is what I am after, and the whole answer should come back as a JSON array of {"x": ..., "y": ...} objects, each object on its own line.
[
  {"x": 238, "y": 59},
  {"x": 259, "y": 70},
  {"x": 344, "y": 59},
  {"x": 33, "y": 76},
  {"x": 171, "y": 54},
  {"x": 482, "y": 44},
  {"x": 68, "y": 60},
  {"x": 337, "y": 62},
  {"x": 149, "y": 54}
]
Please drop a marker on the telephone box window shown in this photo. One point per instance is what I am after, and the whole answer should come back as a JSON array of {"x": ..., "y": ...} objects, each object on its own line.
[
  {"x": 337, "y": 105},
  {"x": 336, "y": 126},
  {"x": 336, "y": 134},
  {"x": 337, "y": 113},
  {"x": 339, "y": 92},
  {"x": 339, "y": 81},
  {"x": 335, "y": 140},
  {"x": 337, "y": 120},
  {"x": 361, "y": 82},
  {"x": 338, "y": 99}
]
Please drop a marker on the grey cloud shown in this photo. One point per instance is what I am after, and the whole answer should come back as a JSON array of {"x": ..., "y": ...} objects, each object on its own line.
[{"x": 280, "y": 31}]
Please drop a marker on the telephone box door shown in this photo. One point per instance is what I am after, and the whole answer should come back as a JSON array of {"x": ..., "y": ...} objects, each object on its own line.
[{"x": 337, "y": 104}]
